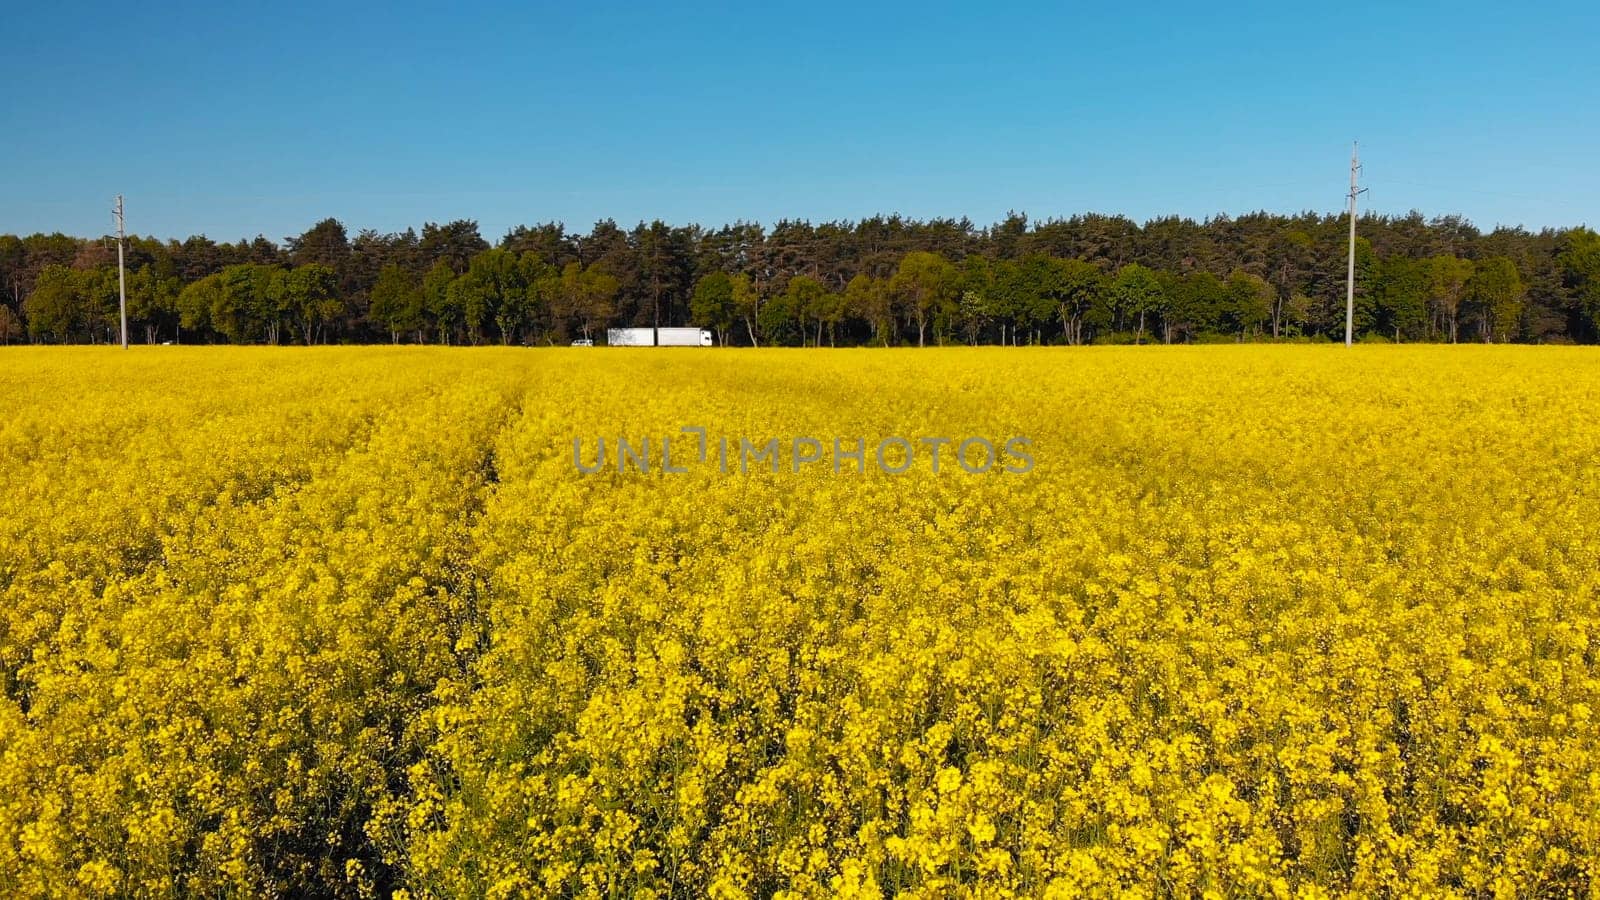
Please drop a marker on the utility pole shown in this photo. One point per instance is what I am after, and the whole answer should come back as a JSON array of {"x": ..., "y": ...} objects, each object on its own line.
[
  {"x": 1350, "y": 273},
  {"x": 122, "y": 276}
]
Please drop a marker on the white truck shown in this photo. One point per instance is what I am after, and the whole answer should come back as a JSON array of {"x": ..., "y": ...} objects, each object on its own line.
[{"x": 668, "y": 337}]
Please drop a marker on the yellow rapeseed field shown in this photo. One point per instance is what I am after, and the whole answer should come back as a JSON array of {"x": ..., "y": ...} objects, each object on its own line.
[{"x": 1250, "y": 621}]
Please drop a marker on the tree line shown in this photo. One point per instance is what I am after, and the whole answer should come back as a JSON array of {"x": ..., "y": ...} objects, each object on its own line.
[{"x": 884, "y": 280}]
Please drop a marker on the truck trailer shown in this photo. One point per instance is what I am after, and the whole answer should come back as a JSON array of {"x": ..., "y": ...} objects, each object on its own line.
[{"x": 658, "y": 337}]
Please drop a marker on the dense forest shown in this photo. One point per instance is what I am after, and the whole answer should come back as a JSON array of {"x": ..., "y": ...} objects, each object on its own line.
[{"x": 883, "y": 280}]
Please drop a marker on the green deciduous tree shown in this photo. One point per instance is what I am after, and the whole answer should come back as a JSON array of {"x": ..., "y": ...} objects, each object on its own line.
[
  {"x": 1065, "y": 289},
  {"x": 1447, "y": 285},
  {"x": 779, "y": 319},
  {"x": 153, "y": 300},
  {"x": 923, "y": 283},
  {"x": 397, "y": 302},
  {"x": 440, "y": 301},
  {"x": 1579, "y": 263},
  {"x": 1196, "y": 305},
  {"x": 805, "y": 300},
  {"x": 1248, "y": 302},
  {"x": 1401, "y": 296},
  {"x": 587, "y": 295},
  {"x": 56, "y": 308},
  {"x": 1496, "y": 292},
  {"x": 1138, "y": 294},
  {"x": 868, "y": 299},
  {"x": 309, "y": 296},
  {"x": 249, "y": 305},
  {"x": 712, "y": 305},
  {"x": 495, "y": 289},
  {"x": 747, "y": 305},
  {"x": 196, "y": 301}
]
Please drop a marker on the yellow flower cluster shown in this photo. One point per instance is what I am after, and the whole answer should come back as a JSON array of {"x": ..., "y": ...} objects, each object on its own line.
[{"x": 1259, "y": 621}]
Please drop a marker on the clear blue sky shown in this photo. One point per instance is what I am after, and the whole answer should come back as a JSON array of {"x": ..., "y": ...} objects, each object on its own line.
[{"x": 266, "y": 118}]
